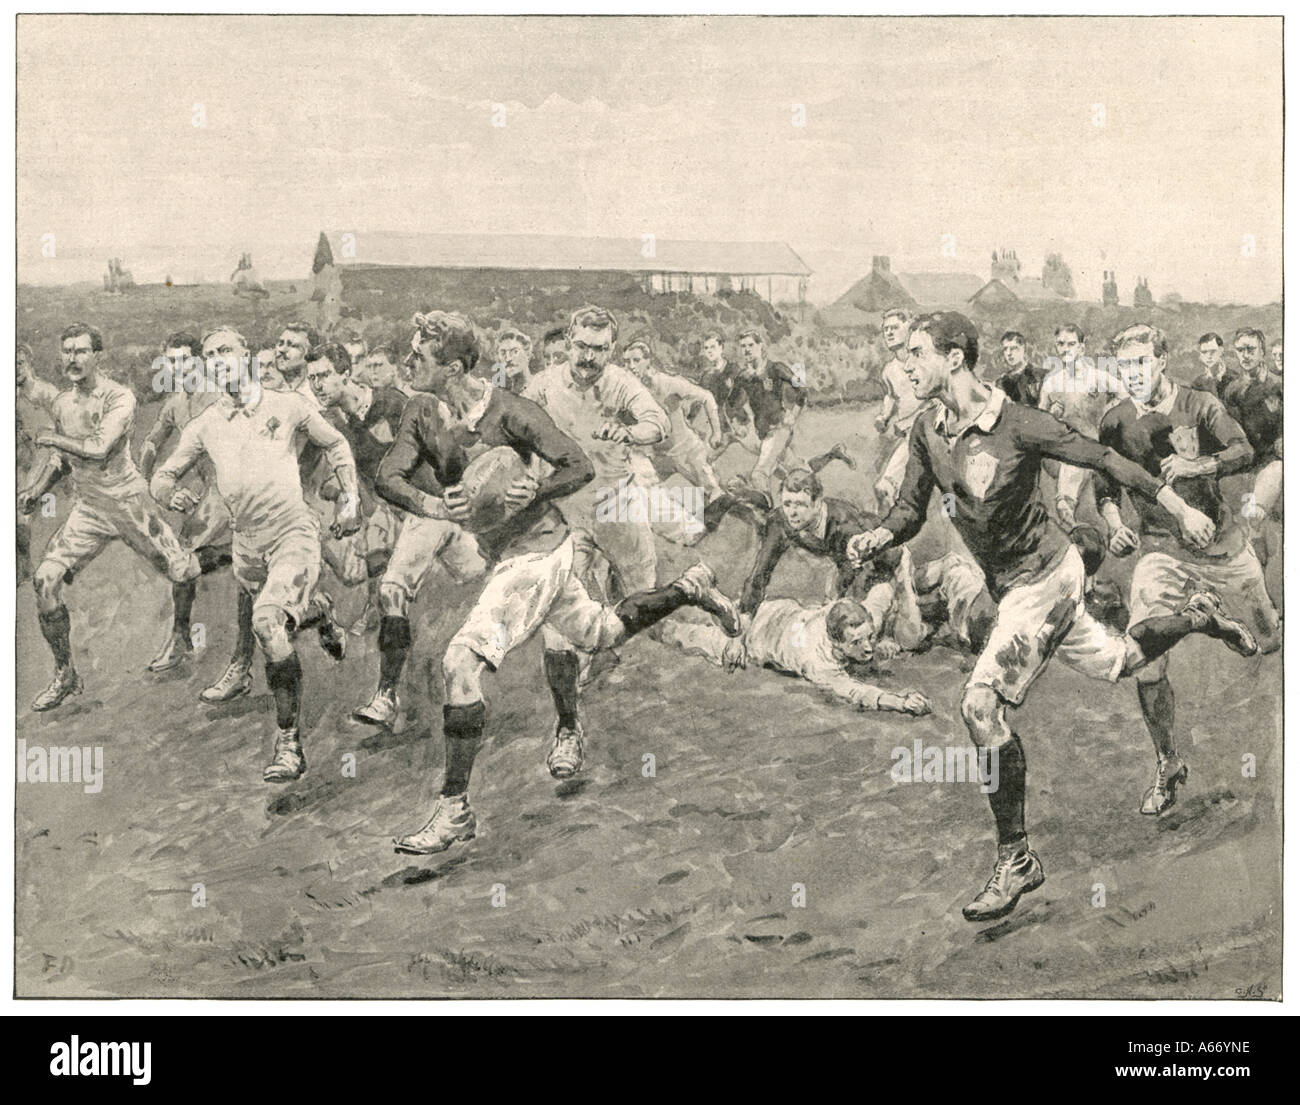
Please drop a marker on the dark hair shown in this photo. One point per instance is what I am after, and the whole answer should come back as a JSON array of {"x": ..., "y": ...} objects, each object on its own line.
[
  {"x": 1015, "y": 336},
  {"x": 1247, "y": 332},
  {"x": 1211, "y": 336},
  {"x": 843, "y": 616},
  {"x": 304, "y": 328},
  {"x": 1073, "y": 328},
  {"x": 555, "y": 333},
  {"x": 183, "y": 339},
  {"x": 336, "y": 353},
  {"x": 949, "y": 330},
  {"x": 803, "y": 479},
  {"x": 751, "y": 332},
  {"x": 454, "y": 338},
  {"x": 594, "y": 318},
  {"x": 79, "y": 328},
  {"x": 714, "y": 335}
]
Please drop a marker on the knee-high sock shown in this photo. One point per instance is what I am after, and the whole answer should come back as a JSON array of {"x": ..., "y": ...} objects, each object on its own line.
[
  {"x": 57, "y": 628},
  {"x": 182, "y": 605},
  {"x": 562, "y": 677},
  {"x": 1157, "y": 702},
  {"x": 1156, "y": 636},
  {"x": 462, "y": 730},
  {"x": 245, "y": 640},
  {"x": 394, "y": 644},
  {"x": 1008, "y": 801},
  {"x": 377, "y": 562},
  {"x": 284, "y": 677},
  {"x": 641, "y": 610}
]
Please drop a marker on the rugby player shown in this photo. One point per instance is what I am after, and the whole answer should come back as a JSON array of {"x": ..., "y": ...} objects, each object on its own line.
[
  {"x": 251, "y": 438},
  {"x": 986, "y": 452},
  {"x": 1187, "y": 438},
  {"x": 30, "y": 419},
  {"x": 91, "y": 432},
  {"x": 534, "y": 582},
  {"x": 1254, "y": 399},
  {"x": 206, "y": 528},
  {"x": 1215, "y": 375},
  {"x": 898, "y": 411},
  {"x": 514, "y": 351},
  {"x": 1022, "y": 381}
]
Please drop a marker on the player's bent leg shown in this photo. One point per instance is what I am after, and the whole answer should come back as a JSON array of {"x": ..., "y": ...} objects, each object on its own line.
[
  {"x": 284, "y": 677},
  {"x": 237, "y": 679},
  {"x": 562, "y": 668},
  {"x": 56, "y": 628},
  {"x": 1156, "y": 699}
]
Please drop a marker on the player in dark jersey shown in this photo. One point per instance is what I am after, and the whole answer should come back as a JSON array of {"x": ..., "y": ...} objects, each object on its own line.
[
  {"x": 821, "y": 525},
  {"x": 1215, "y": 376},
  {"x": 1184, "y": 436},
  {"x": 1022, "y": 382},
  {"x": 369, "y": 418},
  {"x": 534, "y": 584},
  {"x": 986, "y": 453},
  {"x": 1254, "y": 399}
]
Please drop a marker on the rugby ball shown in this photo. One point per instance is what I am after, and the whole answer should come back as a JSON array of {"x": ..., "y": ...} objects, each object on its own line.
[{"x": 486, "y": 480}]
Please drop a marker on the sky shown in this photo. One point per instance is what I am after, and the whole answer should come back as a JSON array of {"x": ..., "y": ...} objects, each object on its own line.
[{"x": 1149, "y": 147}]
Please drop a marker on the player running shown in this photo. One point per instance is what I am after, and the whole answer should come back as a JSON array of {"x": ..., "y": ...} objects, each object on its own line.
[
  {"x": 206, "y": 529},
  {"x": 1254, "y": 399},
  {"x": 30, "y": 419},
  {"x": 1184, "y": 436},
  {"x": 251, "y": 439},
  {"x": 534, "y": 583},
  {"x": 986, "y": 453},
  {"x": 92, "y": 424},
  {"x": 899, "y": 410}
]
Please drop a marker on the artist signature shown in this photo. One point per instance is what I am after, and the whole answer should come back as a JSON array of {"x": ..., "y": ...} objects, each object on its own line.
[{"x": 1254, "y": 990}]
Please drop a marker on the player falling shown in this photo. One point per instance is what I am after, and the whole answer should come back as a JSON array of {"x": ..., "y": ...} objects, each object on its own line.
[
  {"x": 91, "y": 433},
  {"x": 985, "y": 452},
  {"x": 534, "y": 583},
  {"x": 1187, "y": 438},
  {"x": 251, "y": 437}
]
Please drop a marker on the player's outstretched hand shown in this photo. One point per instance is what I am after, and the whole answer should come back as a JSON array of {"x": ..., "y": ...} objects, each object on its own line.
[
  {"x": 183, "y": 500},
  {"x": 734, "y": 654},
  {"x": 26, "y": 503},
  {"x": 347, "y": 518},
  {"x": 1122, "y": 541},
  {"x": 456, "y": 502},
  {"x": 916, "y": 704},
  {"x": 522, "y": 492}
]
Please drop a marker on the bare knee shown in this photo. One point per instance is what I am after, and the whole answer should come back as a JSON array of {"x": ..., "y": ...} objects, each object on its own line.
[
  {"x": 271, "y": 628},
  {"x": 48, "y": 582},
  {"x": 393, "y": 602},
  {"x": 984, "y": 714},
  {"x": 461, "y": 672}
]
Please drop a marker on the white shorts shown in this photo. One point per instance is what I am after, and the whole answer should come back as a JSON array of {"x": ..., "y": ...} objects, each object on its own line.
[
  {"x": 423, "y": 542},
  {"x": 136, "y": 520},
  {"x": 532, "y": 591},
  {"x": 895, "y": 466},
  {"x": 1162, "y": 583},
  {"x": 1043, "y": 619}
]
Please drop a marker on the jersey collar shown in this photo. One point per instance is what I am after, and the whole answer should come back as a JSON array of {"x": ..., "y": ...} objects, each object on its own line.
[{"x": 986, "y": 420}]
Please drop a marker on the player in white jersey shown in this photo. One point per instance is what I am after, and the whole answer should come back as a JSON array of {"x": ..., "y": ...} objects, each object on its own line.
[
  {"x": 831, "y": 646},
  {"x": 1078, "y": 391},
  {"x": 611, "y": 412},
  {"x": 252, "y": 438},
  {"x": 682, "y": 451},
  {"x": 30, "y": 419},
  {"x": 92, "y": 424},
  {"x": 899, "y": 410}
]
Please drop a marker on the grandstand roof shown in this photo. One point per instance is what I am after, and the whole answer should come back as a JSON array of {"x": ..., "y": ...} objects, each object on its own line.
[{"x": 530, "y": 252}]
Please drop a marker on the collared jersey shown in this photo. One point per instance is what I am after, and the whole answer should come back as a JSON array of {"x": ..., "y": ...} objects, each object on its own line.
[
  {"x": 988, "y": 472},
  {"x": 1257, "y": 406},
  {"x": 254, "y": 450},
  {"x": 1191, "y": 424},
  {"x": 101, "y": 418}
]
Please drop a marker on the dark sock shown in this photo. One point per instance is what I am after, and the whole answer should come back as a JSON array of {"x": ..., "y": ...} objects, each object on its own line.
[
  {"x": 462, "y": 729},
  {"x": 212, "y": 557},
  {"x": 313, "y": 616},
  {"x": 244, "y": 639},
  {"x": 182, "y": 604},
  {"x": 57, "y": 628},
  {"x": 1156, "y": 636},
  {"x": 643, "y": 609},
  {"x": 715, "y": 511},
  {"x": 1157, "y": 701},
  {"x": 394, "y": 644},
  {"x": 1008, "y": 801},
  {"x": 377, "y": 562},
  {"x": 817, "y": 463},
  {"x": 562, "y": 677},
  {"x": 284, "y": 677}
]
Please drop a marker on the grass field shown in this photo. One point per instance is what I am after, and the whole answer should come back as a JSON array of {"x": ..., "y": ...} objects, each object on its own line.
[{"x": 620, "y": 884}]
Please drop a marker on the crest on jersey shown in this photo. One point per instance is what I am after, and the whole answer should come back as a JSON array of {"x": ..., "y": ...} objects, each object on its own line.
[
  {"x": 980, "y": 470},
  {"x": 1186, "y": 442},
  {"x": 1273, "y": 403},
  {"x": 272, "y": 424}
]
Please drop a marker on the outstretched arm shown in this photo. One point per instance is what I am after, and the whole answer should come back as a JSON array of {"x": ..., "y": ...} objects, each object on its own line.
[{"x": 115, "y": 424}]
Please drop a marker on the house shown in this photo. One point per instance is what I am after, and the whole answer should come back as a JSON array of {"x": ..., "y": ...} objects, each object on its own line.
[{"x": 882, "y": 288}]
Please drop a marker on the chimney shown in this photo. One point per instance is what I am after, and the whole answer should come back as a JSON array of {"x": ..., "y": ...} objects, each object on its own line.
[{"x": 880, "y": 263}]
